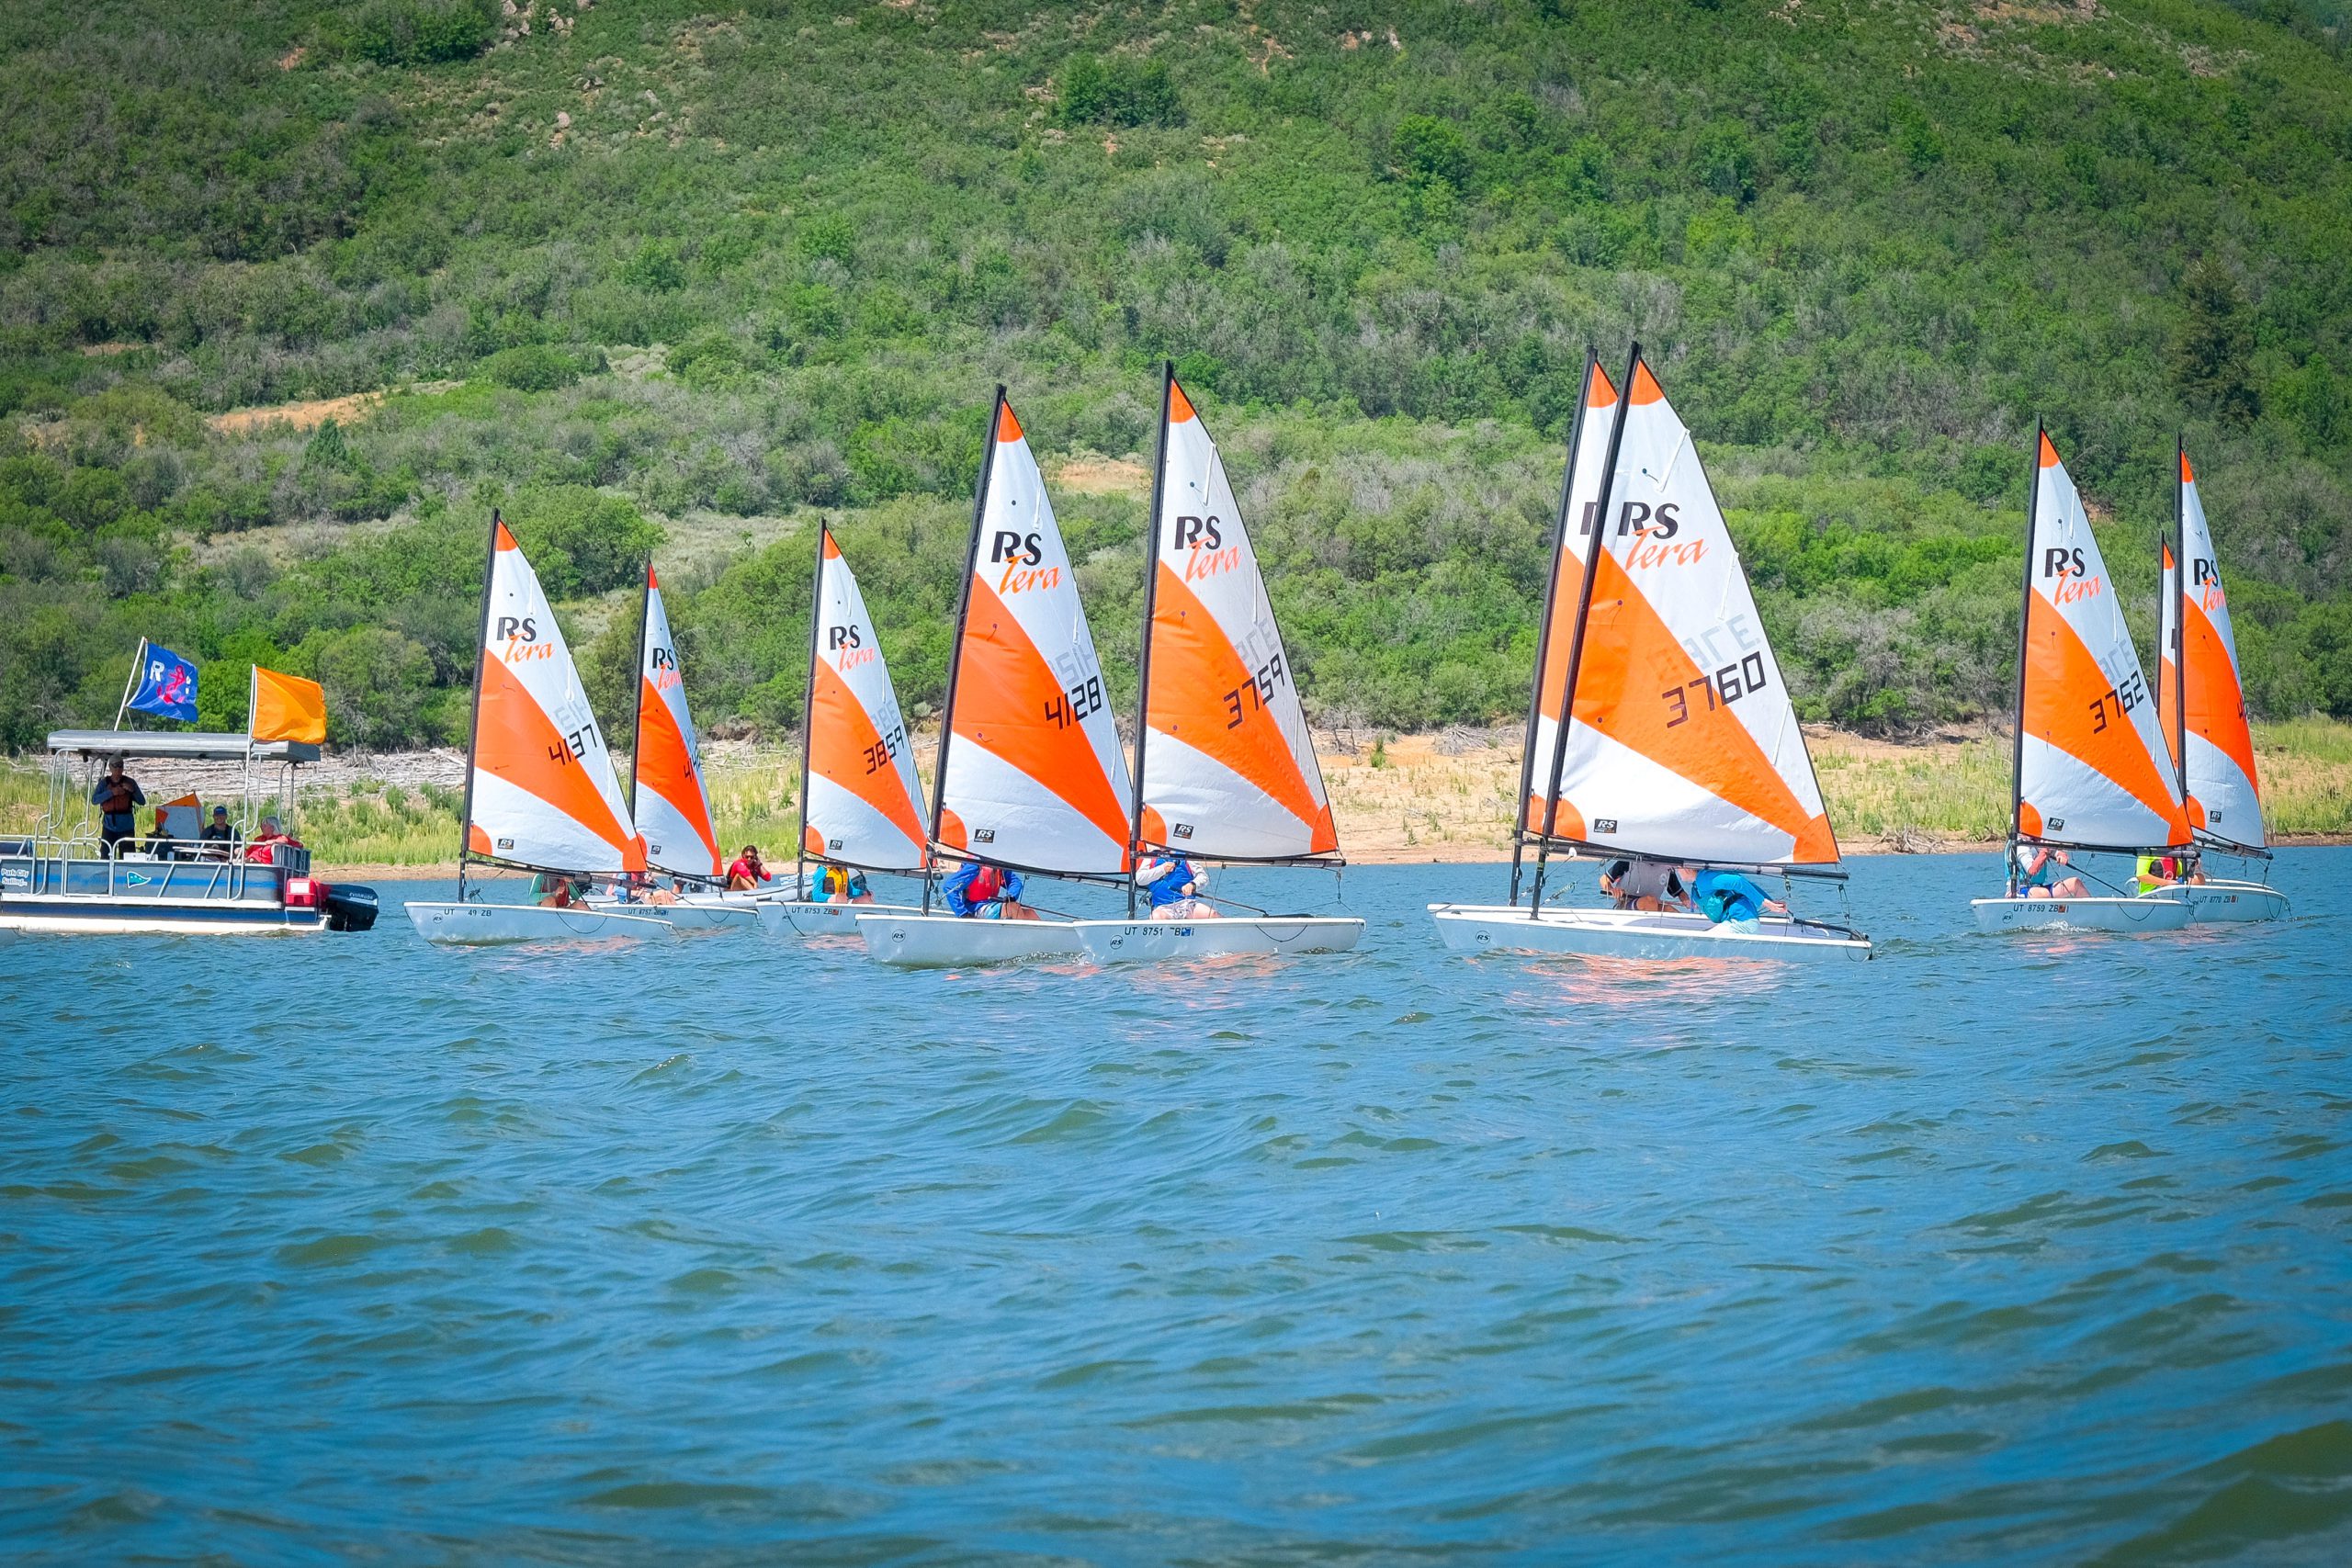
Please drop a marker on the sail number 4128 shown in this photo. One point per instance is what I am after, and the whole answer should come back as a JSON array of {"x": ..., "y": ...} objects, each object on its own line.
[
  {"x": 1080, "y": 702},
  {"x": 1726, "y": 685}
]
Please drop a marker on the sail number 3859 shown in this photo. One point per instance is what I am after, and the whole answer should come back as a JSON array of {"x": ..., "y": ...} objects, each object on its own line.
[{"x": 1723, "y": 687}]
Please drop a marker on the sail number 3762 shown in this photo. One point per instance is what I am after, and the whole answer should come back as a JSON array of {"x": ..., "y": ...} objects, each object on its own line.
[{"x": 1726, "y": 686}]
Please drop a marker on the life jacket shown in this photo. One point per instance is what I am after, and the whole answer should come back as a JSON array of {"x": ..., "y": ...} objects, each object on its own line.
[{"x": 987, "y": 885}]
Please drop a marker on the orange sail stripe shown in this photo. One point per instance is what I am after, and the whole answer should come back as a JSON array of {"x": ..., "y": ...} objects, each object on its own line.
[
  {"x": 2064, "y": 685},
  {"x": 515, "y": 741},
  {"x": 1008, "y": 429},
  {"x": 666, "y": 767},
  {"x": 1193, "y": 665},
  {"x": 1003, "y": 692},
  {"x": 841, "y": 739},
  {"x": 1631, "y": 659},
  {"x": 1645, "y": 387},
  {"x": 2216, "y": 706},
  {"x": 1180, "y": 407},
  {"x": 2048, "y": 453}
]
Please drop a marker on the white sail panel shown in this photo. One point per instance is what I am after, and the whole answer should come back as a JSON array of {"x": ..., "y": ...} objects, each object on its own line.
[
  {"x": 1675, "y": 670},
  {"x": 2092, "y": 765},
  {"x": 864, "y": 807},
  {"x": 1228, "y": 766},
  {"x": 2224, "y": 798},
  {"x": 673, "y": 803},
  {"x": 544, "y": 789},
  {"x": 1034, "y": 774},
  {"x": 1587, "y": 466}
]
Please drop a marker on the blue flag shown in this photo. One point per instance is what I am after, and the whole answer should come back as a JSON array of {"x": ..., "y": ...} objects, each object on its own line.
[{"x": 166, "y": 684}]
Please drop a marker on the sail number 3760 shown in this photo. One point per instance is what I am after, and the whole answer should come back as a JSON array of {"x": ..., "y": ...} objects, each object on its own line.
[{"x": 1723, "y": 687}]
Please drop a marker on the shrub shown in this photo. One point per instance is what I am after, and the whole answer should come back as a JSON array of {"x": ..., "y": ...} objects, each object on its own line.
[
  {"x": 422, "y": 32},
  {"x": 581, "y": 540},
  {"x": 537, "y": 368},
  {"x": 1125, "y": 91},
  {"x": 1430, "y": 150},
  {"x": 376, "y": 682}
]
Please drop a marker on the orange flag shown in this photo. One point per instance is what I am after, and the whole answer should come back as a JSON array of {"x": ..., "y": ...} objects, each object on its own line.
[{"x": 286, "y": 707}]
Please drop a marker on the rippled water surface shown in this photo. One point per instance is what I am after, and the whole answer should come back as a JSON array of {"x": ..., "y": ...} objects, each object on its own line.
[{"x": 726, "y": 1250}]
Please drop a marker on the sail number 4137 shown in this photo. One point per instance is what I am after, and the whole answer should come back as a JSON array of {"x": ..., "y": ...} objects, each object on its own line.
[{"x": 1726, "y": 685}]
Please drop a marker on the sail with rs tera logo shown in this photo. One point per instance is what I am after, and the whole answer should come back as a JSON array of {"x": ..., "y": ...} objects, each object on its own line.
[
  {"x": 1682, "y": 743},
  {"x": 1030, "y": 773},
  {"x": 670, "y": 800},
  {"x": 861, "y": 806}
]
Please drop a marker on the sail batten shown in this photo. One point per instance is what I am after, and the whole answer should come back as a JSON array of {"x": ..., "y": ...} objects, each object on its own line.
[
  {"x": 1682, "y": 743},
  {"x": 1032, "y": 772},
  {"x": 2093, "y": 770},
  {"x": 2201, "y": 697},
  {"x": 1226, "y": 763},
  {"x": 541, "y": 788}
]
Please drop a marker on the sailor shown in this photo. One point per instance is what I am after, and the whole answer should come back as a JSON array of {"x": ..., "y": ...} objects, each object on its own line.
[
  {"x": 1728, "y": 898},
  {"x": 745, "y": 873},
  {"x": 978, "y": 891},
  {"x": 118, "y": 798},
  {"x": 840, "y": 885},
  {"x": 1644, "y": 884},
  {"x": 2035, "y": 876},
  {"x": 1173, "y": 884}
]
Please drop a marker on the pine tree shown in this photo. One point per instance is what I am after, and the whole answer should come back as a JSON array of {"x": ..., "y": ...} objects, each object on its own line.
[{"x": 2211, "y": 358}]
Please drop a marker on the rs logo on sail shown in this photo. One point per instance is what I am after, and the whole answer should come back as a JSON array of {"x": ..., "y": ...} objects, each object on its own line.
[
  {"x": 517, "y": 630},
  {"x": 1651, "y": 530},
  {"x": 1023, "y": 556},
  {"x": 1209, "y": 554},
  {"x": 847, "y": 645}
]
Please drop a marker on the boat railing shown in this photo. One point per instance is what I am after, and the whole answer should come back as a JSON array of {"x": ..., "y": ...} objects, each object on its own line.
[{"x": 40, "y": 863}]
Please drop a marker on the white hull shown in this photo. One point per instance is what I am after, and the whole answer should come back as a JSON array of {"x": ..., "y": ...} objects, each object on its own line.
[
  {"x": 791, "y": 917},
  {"x": 2158, "y": 911},
  {"x": 116, "y": 918},
  {"x": 1635, "y": 933},
  {"x": 1142, "y": 941},
  {"x": 490, "y": 925},
  {"x": 706, "y": 914},
  {"x": 939, "y": 940},
  {"x": 2224, "y": 903}
]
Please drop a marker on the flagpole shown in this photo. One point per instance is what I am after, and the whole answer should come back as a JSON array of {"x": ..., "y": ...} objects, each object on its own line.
[{"x": 138, "y": 663}]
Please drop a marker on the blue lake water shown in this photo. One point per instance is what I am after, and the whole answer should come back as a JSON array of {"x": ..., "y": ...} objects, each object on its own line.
[{"x": 726, "y": 1250}]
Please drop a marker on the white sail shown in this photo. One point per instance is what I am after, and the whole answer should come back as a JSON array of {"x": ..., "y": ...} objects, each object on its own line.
[
  {"x": 2091, "y": 768},
  {"x": 1682, "y": 743},
  {"x": 864, "y": 807},
  {"x": 1033, "y": 771},
  {"x": 544, "y": 790},
  {"x": 2224, "y": 792},
  {"x": 671, "y": 800},
  {"x": 1229, "y": 767}
]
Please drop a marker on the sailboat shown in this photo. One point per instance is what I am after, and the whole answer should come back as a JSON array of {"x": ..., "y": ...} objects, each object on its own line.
[
  {"x": 1225, "y": 766},
  {"x": 667, "y": 792},
  {"x": 1030, "y": 776},
  {"x": 1664, "y": 734},
  {"x": 2090, "y": 771},
  {"x": 2201, "y": 704},
  {"x": 541, "y": 792},
  {"x": 861, "y": 806}
]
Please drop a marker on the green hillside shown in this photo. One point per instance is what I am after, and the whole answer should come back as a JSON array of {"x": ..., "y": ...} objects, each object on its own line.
[{"x": 661, "y": 277}]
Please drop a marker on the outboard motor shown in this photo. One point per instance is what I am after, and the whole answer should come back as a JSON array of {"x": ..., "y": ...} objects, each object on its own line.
[{"x": 350, "y": 908}]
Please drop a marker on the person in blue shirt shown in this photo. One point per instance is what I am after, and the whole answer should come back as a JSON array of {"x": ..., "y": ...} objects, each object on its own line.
[
  {"x": 1173, "y": 885},
  {"x": 978, "y": 891},
  {"x": 1728, "y": 898},
  {"x": 840, "y": 885}
]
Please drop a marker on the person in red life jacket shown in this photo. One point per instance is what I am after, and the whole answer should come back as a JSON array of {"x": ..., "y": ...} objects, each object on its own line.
[
  {"x": 747, "y": 872},
  {"x": 263, "y": 850},
  {"x": 981, "y": 892}
]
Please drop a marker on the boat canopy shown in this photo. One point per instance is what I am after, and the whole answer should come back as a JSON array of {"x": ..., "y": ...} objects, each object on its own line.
[{"x": 182, "y": 745}]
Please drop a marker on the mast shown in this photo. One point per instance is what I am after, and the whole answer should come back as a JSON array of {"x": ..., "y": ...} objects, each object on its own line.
[
  {"x": 2178, "y": 613},
  {"x": 636, "y": 723},
  {"x": 808, "y": 704},
  {"x": 956, "y": 642},
  {"x": 2025, "y": 613},
  {"x": 473, "y": 725},
  {"x": 1543, "y": 626},
  {"x": 1576, "y": 636},
  {"x": 1151, "y": 602}
]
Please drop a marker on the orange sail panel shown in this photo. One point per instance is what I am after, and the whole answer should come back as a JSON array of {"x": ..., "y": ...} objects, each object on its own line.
[
  {"x": 1034, "y": 774},
  {"x": 545, "y": 793},
  {"x": 2092, "y": 769},
  {"x": 864, "y": 807},
  {"x": 1682, "y": 743},
  {"x": 2224, "y": 793},
  {"x": 673, "y": 803},
  {"x": 1586, "y": 466},
  {"x": 1227, "y": 763}
]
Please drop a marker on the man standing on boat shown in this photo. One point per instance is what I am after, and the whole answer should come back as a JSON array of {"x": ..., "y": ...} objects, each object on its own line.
[{"x": 117, "y": 799}]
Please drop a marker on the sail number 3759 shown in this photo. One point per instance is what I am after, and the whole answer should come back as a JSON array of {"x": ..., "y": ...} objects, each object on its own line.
[
  {"x": 1257, "y": 691},
  {"x": 1723, "y": 687}
]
